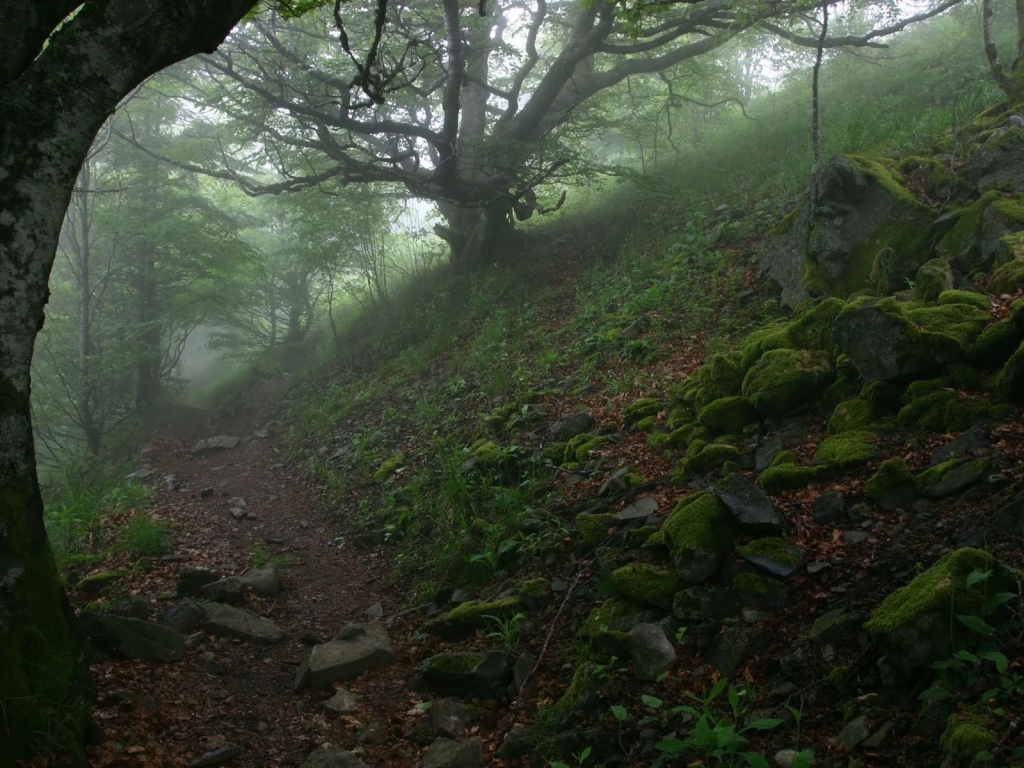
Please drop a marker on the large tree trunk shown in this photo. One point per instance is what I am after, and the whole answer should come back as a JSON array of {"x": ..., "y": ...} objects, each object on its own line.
[
  {"x": 55, "y": 92},
  {"x": 479, "y": 235}
]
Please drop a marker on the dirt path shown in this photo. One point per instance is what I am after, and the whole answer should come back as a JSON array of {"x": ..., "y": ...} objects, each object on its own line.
[{"x": 242, "y": 694}]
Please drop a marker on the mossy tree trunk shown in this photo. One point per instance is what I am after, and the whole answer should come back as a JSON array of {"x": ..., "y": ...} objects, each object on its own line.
[
  {"x": 1010, "y": 80},
  {"x": 56, "y": 89}
]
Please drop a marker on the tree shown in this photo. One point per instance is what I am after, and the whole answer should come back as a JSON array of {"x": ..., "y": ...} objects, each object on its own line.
[
  {"x": 64, "y": 67},
  {"x": 472, "y": 112},
  {"x": 1010, "y": 80}
]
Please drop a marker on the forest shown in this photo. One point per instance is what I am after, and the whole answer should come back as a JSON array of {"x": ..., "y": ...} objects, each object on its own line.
[{"x": 549, "y": 383}]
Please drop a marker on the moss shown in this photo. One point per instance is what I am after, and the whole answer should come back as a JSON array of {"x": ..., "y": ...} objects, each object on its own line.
[
  {"x": 965, "y": 378},
  {"x": 1008, "y": 279},
  {"x": 454, "y": 662},
  {"x": 770, "y": 547},
  {"x": 942, "y": 411},
  {"x": 936, "y": 474},
  {"x": 996, "y": 344},
  {"x": 710, "y": 457},
  {"x": 1010, "y": 247},
  {"x": 785, "y": 379},
  {"x": 699, "y": 521},
  {"x": 789, "y": 477},
  {"x": 593, "y": 529},
  {"x": 632, "y": 480},
  {"x": 554, "y": 453},
  {"x": 966, "y": 735},
  {"x": 727, "y": 415},
  {"x": 847, "y": 449},
  {"x": 923, "y": 387},
  {"x": 389, "y": 467},
  {"x": 579, "y": 692},
  {"x": 487, "y": 453},
  {"x": 960, "y": 321},
  {"x": 656, "y": 539},
  {"x": 644, "y": 425},
  {"x": 473, "y": 612},
  {"x": 882, "y": 396},
  {"x": 720, "y": 377},
  {"x": 98, "y": 581},
  {"x": 679, "y": 438},
  {"x": 892, "y": 473},
  {"x": 679, "y": 416},
  {"x": 610, "y": 614},
  {"x": 970, "y": 298},
  {"x": 938, "y": 178},
  {"x": 963, "y": 242},
  {"x": 579, "y": 448},
  {"x": 787, "y": 222},
  {"x": 644, "y": 583},
  {"x": 1009, "y": 383},
  {"x": 761, "y": 341},
  {"x": 812, "y": 329},
  {"x": 753, "y": 584},
  {"x": 932, "y": 278},
  {"x": 941, "y": 590},
  {"x": 783, "y": 458},
  {"x": 641, "y": 409},
  {"x": 850, "y": 415},
  {"x": 657, "y": 439},
  {"x": 638, "y": 537},
  {"x": 535, "y": 588}
]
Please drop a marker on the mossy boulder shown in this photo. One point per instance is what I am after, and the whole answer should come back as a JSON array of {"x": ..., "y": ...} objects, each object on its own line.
[
  {"x": 593, "y": 529},
  {"x": 1008, "y": 279},
  {"x": 648, "y": 584},
  {"x": 783, "y": 380},
  {"x": 932, "y": 278},
  {"x": 852, "y": 414},
  {"x": 535, "y": 594},
  {"x": 487, "y": 453},
  {"x": 972, "y": 244},
  {"x": 950, "y": 477},
  {"x": 709, "y": 457},
  {"x": 727, "y": 415},
  {"x": 699, "y": 532},
  {"x": 466, "y": 673},
  {"x": 784, "y": 474},
  {"x": 892, "y": 486},
  {"x": 613, "y": 615},
  {"x": 720, "y": 377},
  {"x": 472, "y": 615},
  {"x": 847, "y": 449},
  {"x": 773, "y": 555},
  {"x": 996, "y": 344},
  {"x": 641, "y": 409},
  {"x": 579, "y": 448},
  {"x": 970, "y": 298},
  {"x": 960, "y": 321},
  {"x": 883, "y": 343},
  {"x": 389, "y": 467},
  {"x": 883, "y": 396},
  {"x": 810, "y": 330},
  {"x": 100, "y": 583},
  {"x": 757, "y": 589},
  {"x": 916, "y": 624},
  {"x": 1009, "y": 383},
  {"x": 966, "y": 735}
]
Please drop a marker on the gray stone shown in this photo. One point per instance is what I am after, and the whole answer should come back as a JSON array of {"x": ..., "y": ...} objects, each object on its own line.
[
  {"x": 374, "y": 733},
  {"x": 569, "y": 426},
  {"x": 973, "y": 441},
  {"x": 616, "y": 482},
  {"x": 219, "y": 443},
  {"x": 375, "y": 611},
  {"x": 523, "y": 670},
  {"x": 210, "y": 664},
  {"x": 448, "y": 717},
  {"x": 445, "y": 753},
  {"x": 184, "y": 615},
  {"x": 357, "y": 649},
  {"x": 192, "y": 580},
  {"x": 461, "y": 673},
  {"x": 639, "y": 510},
  {"x": 836, "y": 627},
  {"x": 731, "y": 648},
  {"x": 227, "y": 621},
  {"x": 264, "y": 581},
  {"x": 778, "y": 565},
  {"x": 333, "y": 757},
  {"x": 705, "y": 604},
  {"x": 230, "y": 591},
  {"x": 139, "y": 474},
  {"x": 171, "y": 483},
  {"x": 517, "y": 742},
  {"x": 652, "y": 653},
  {"x": 784, "y": 758},
  {"x": 853, "y": 733},
  {"x": 237, "y": 502},
  {"x": 343, "y": 702},
  {"x": 133, "y": 638},
  {"x": 765, "y": 453},
  {"x": 1010, "y": 519},
  {"x": 998, "y": 160},
  {"x": 749, "y": 505},
  {"x": 957, "y": 479},
  {"x": 829, "y": 508},
  {"x": 855, "y": 537},
  {"x": 130, "y": 606},
  {"x": 223, "y": 754}
]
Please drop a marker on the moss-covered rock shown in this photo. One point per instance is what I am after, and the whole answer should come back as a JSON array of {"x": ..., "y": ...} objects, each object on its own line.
[
  {"x": 789, "y": 477},
  {"x": 487, "y": 453},
  {"x": 932, "y": 278},
  {"x": 1008, "y": 279},
  {"x": 727, "y": 415},
  {"x": 593, "y": 529},
  {"x": 1009, "y": 383},
  {"x": 962, "y": 322},
  {"x": 916, "y": 625},
  {"x": 966, "y": 735},
  {"x": 535, "y": 594},
  {"x": 641, "y": 409},
  {"x": 964, "y": 378},
  {"x": 389, "y": 467},
  {"x": 856, "y": 413},
  {"x": 950, "y": 477},
  {"x": 614, "y": 614},
  {"x": 471, "y": 615},
  {"x": 678, "y": 417},
  {"x": 942, "y": 411},
  {"x": 554, "y": 453},
  {"x": 970, "y": 298},
  {"x": 699, "y": 532},
  {"x": 680, "y": 438},
  {"x": 720, "y": 377},
  {"x": 786, "y": 379},
  {"x": 580, "y": 447},
  {"x": 884, "y": 343},
  {"x": 581, "y": 693},
  {"x": 847, "y": 449},
  {"x": 99, "y": 583},
  {"x": 773, "y": 555},
  {"x": 648, "y": 584},
  {"x": 810, "y": 330},
  {"x": 892, "y": 485},
  {"x": 883, "y": 396},
  {"x": 759, "y": 590},
  {"x": 710, "y": 457},
  {"x": 996, "y": 344},
  {"x": 645, "y": 424}
]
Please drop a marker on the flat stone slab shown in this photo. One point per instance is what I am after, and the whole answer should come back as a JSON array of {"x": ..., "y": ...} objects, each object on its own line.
[
  {"x": 134, "y": 638},
  {"x": 333, "y": 757},
  {"x": 445, "y": 753},
  {"x": 749, "y": 505},
  {"x": 357, "y": 649},
  {"x": 227, "y": 621},
  {"x": 640, "y": 509},
  {"x": 219, "y": 443}
]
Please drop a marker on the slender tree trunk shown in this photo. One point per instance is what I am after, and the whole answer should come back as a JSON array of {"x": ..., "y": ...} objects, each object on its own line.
[
  {"x": 147, "y": 378},
  {"x": 52, "y": 102}
]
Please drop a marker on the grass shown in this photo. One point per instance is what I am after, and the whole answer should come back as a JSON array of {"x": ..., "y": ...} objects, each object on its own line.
[{"x": 145, "y": 536}]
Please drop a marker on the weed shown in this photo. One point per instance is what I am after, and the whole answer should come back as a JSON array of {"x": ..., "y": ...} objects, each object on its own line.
[
  {"x": 506, "y": 630},
  {"x": 144, "y": 536}
]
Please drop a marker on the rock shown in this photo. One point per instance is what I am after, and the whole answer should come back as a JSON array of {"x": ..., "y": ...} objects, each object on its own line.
[
  {"x": 517, "y": 742},
  {"x": 125, "y": 696},
  {"x": 1010, "y": 519},
  {"x": 183, "y": 616},
  {"x": 639, "y": 510},
  {"x": 206, "y": 493},
  {"x": 130, "y": 606},
  {"x": 892, "y": 486},
  {"x": 698, "y": 533},
  {"x": 375, "y": 611},
  {"x": 219, "y": 443},
  {"x": 192, "y": 580},
  {"x": 264, "y": 581},
  {"x": 855, "y": 537},
  {"x": 237, "y": 502},
  {"x": 99, "y": 584},
  {"x": 877, "y": 739},
  {"x": 647, "y": 584},
  {"x": 835, "y": 627},
  {"x": 343, "y": 702},
  {"x": 765, "y": 453},
  {"x": 465, "y": 674},
  {"x": 171, "y": 483},
  {"x": 133, "y": 638},
  {"x": 469, "y": 616},
  {"x": 774, "y": 556},
  {"x": 950, "y": 477},
  {"x": 374, "y": 733},
  {"x": 635, "y": 329},
  {"x": 215, "y": 757},
  {"x": 226, "y": 621},
  {"x": 448, "y": 717},
  {"x": 210, "y": 664},
  {"x": 759, "y": 590},
  {"x": 230, "y": 591},
  {"x": 829, "y": 508},
  {"x": 652, "y": 653},
  {"x": 998, "y": 160},
  {"x": 569, "y": 426},
  {"x": 617, "y": 481},
  {"x": 729, "y": 649},
  {"x": 522, "y": 671},
  {"x": 786, "y": 380},
  {"x": 357, "y": 649},
  {"x": 535, "y": 594},
  {"x": 445, "y": 753},
  {"x": 971, "y": 442},
  {"x": 333, "y": 757},
  {"x": 749, "y": 505},
  {"x": 853, "y": 733},
  {"x": 139, "y": 474},
  {"x": 702, "y": 604}
]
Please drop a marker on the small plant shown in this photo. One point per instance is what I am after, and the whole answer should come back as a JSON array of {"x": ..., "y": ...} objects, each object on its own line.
[
  {"x": 580, "y": 758},
  {"x": 605, "y": 671},
  {"x": 144, "y": 536},
  {"x": 506, "y": 630}
]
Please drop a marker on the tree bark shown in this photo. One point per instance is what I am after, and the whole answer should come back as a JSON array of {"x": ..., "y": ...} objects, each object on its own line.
[{"x": 53, "y": 99}]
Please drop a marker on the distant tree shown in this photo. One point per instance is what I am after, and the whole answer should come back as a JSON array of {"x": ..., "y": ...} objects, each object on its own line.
[{"x": 1009, "y": 79}]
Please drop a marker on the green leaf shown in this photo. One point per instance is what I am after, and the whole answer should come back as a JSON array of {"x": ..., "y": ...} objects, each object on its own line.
[
  {"x": 976, "y": 624},
  {"x": 734, "y": 700},
  {"x": 671, "y": 746},
  {"x": 934, "y": 694},
  {"x": 651, "y": 701},
  {"x": 755, "y": 760},
  {"x": 803, "y": 759},
  {"x": 976, "y": 576},
  {"x": 585, "y": 754},
  {"x": 997, "y": 600},
  {"x": 765, "y": 724},
  {"x": 620, "y": 712},
  {"x": 1001, "y": 662},
  {"x": 717, "y": 689},
  {"x": 968, "y": 656}
]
